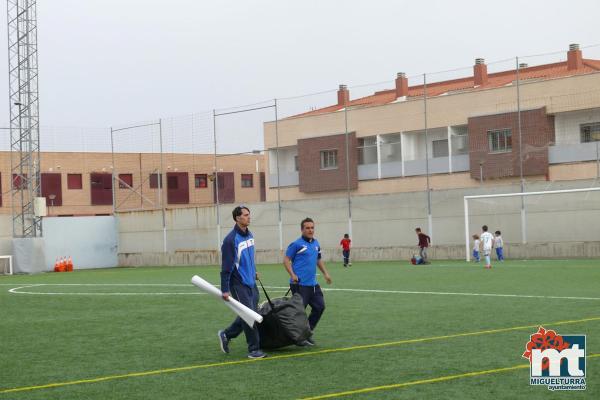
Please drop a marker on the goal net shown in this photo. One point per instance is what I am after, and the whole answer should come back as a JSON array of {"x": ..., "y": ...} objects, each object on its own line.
[
  {"x": 538, "y": 224},
  {"x": 6, "y": 267}
]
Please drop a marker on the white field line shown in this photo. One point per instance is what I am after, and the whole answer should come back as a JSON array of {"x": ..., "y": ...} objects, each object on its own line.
[
  {"x": 18, "y": 291},
  {"x": 524, "y": 296}
]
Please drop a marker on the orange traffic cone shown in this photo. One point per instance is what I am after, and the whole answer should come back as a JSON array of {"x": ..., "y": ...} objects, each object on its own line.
[
  {"x": 56, "y": 265},
  {"x": 70, "y": 265},
  {"x": 62, "y": 266}
]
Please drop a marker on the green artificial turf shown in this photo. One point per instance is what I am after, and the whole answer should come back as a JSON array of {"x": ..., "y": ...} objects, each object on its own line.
[{"x": 364, "y": 340}]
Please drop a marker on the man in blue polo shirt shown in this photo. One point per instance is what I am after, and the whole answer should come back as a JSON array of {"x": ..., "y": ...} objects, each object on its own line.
[
  {"x": 238, "y": 279},
  {"x": 301, "y": 260}
]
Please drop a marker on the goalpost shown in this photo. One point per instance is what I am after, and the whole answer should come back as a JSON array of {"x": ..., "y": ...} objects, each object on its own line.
[
  {"x": 522, "y": 195},
  {"x": 6, "y": 266}
]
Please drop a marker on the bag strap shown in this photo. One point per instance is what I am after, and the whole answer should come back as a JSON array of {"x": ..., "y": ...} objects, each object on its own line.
[{"x": 266, "y": 294}]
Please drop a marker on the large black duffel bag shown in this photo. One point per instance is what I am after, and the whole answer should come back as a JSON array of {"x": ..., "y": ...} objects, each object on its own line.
[{"x": 284, "y": 321}]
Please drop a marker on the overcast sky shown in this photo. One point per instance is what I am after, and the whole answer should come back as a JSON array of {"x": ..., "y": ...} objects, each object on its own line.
[{"x": 107, "y": 62}]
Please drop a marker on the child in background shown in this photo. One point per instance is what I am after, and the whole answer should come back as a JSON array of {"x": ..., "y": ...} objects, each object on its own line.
[
  {"x": 424, "y": 242},
  {"x": 487, "y": 241},
  {"x": 345, "y": 243},
  {"x": 499, "y": 245},
  {"x": 476, "y": 244}
]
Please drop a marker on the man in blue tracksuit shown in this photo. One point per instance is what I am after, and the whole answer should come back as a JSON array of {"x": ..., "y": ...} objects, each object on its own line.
[
  {"x": 238, "y": 276},
  {"x": 301, "y": 260}
]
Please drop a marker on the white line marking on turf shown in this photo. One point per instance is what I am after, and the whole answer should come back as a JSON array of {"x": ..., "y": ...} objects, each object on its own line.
[
  {"x": 461, "y": 294},
  {"x": 18, "y": 291},
  {"x": 524, "y": 296}
]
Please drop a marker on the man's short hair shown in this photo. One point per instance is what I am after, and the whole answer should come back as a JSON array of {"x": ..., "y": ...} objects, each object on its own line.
[
  {"x": 485, "y": 228},
  {"x": 346, "y": 235},
  {"x": 307, "y": 219},
  {"x": 238, "y": 211},
  {"x": 498, "y": 233},
  {"x": 418, "y": 229}
]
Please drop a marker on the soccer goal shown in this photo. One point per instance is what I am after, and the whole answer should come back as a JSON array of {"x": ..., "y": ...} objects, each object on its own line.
[
  {"x": 568, "y": 215},
  {"x": 6, "y": 266}
]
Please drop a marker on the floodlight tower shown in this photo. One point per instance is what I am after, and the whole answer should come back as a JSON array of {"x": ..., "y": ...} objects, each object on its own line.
[{"x": 24, "y": 116}]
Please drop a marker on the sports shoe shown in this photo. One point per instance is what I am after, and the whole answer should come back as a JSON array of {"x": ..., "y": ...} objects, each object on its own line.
[
  {"x": 307, "y": 343},
  {"x": 257, "y": 354},
  {"x": 224, "y": 342},
  {"x": 349, "y": 264}
]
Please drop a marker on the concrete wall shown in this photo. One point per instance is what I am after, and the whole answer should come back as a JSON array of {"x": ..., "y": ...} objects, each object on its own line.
[
  {"x": 382, "y": 225},
  {"x": 91, "y": 242}
]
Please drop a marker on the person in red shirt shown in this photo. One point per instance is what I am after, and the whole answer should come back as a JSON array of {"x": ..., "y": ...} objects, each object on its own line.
[
  {"x": 424, "y": 242},
  {"x": 345, "y": 243}
]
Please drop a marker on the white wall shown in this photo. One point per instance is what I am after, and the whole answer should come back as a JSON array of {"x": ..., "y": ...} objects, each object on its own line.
[
  {"x": 90, "y": 241},
  {"x": 566, "y": 125},
  {"x": 286, "y": 159},
  {"x": 414, "y": 142}
]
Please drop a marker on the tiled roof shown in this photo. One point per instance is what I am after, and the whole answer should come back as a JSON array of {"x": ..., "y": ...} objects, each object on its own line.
[{"x": 498, "y": 79}]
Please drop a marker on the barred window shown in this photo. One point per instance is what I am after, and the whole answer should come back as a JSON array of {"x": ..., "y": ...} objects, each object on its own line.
[
  {"x": 329, "y": 159},
  {"x": 200, "y": 181},
  {"x": 247, "y": 181},
  {"x": 590, "y": 132},
  {"x": 500, "y": 140}
]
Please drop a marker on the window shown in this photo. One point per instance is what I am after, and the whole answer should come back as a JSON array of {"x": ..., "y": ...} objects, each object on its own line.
[
  {"x": 74, "y": 181},
  {"x": 590, "y": 132},
  {"x": 200, "y": 181},
  {"x": 125, "y": 181},
  {"x": 440, "y": 148},
  {"x": 460, "y": 141},
  {"x": 367, "y": 150},
  {"x": 296, "y": 164},
  {"x": 390, "y": 148},
  {"x": 329, "y": 159},
  {"x": 19, "y": 182},
  {"x": 154, "y": 180},
  {"x": 247, "y": 180},
  {"x": 500, "y": 140}
]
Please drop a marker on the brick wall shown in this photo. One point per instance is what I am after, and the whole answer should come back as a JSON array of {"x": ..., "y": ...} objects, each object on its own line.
[
  {"x": 537, "y": 130},
  {"x": 312, "y": 177}
]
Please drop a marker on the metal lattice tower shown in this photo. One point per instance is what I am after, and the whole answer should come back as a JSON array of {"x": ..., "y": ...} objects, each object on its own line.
[{"x": 24, "y": 116}]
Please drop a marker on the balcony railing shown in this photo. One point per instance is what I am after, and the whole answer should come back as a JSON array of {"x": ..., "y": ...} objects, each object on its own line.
[{"x": 563, "y": 153}]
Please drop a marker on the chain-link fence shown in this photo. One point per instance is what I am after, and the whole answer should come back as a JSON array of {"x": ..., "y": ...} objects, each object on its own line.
[
  {"x": 374, "y": 161},
  {"x": 378, "y": 160}
]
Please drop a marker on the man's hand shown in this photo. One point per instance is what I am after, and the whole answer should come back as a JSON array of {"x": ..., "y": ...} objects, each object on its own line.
[
  {"x": 257, "y": 275},
  {"x": 225, "y": 296},
  {"x": 328, "y": 279},
  {"x": 295, "y": 278}
]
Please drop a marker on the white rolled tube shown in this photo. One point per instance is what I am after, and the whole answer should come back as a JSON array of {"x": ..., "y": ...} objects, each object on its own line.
[{"x": 249, "y": 316}]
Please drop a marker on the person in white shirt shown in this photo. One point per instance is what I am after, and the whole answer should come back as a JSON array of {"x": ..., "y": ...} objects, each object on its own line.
[
  {"x": 499, "y": 245},
  {"x": 487, "y": 239},
  {"x": 476, "y": 245}
]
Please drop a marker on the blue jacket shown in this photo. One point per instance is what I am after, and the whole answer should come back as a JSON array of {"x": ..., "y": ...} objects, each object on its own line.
[{"x": 237, "y": 259}]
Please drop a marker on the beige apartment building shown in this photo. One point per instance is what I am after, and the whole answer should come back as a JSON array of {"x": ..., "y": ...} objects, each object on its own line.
[
  {"x": 80, "y": 183},
  {"x": 485, "y": 129}
]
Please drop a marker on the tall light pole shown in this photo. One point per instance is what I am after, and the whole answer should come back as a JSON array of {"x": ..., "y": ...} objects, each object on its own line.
[{"x": 24, "y": 115}]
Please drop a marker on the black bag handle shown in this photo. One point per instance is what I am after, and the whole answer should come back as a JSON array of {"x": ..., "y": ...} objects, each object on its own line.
[{"x": 266, "y": 294}]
